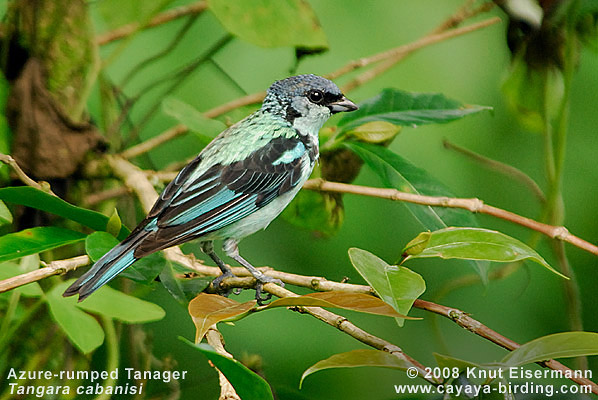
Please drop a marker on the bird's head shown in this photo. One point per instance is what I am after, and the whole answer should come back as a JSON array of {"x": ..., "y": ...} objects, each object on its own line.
[{"x": 306, "y": 101}]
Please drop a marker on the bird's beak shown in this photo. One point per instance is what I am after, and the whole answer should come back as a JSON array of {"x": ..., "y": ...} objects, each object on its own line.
[{"x": 344, "y": 104}]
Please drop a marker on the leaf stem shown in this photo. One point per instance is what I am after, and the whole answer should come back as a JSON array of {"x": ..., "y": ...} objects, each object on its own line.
[
  {"x": 112, "y": 356},
  {"x": 12, "y": 163}
]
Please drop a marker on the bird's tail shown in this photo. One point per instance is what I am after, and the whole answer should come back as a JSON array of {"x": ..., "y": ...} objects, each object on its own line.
[{"x": 108, "y": 266}]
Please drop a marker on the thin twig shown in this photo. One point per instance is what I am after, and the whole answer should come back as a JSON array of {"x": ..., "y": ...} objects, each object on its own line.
[
  {"x": 12, "y": 163},
  {"x": 393, "y": 56},
  {"x": 154, "y": 142},
  {"x": 58, "y": 267},
  {"x": 440, "y": 33},
  {"x": 344, "y": 325},
  {"x": 167, "y": 16},
  {"x": 463, "y": 13},
  {"x": 474, "y": 205},
  {"x": 215, "y": 339},
  {"x": 465, "y": 321}
]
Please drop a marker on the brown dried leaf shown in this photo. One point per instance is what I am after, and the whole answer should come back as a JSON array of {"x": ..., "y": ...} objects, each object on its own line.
[
  {"x": 350, "y": 301},
  {"x": 47, "y": 144},
  {"x": 208, "y": 309}
]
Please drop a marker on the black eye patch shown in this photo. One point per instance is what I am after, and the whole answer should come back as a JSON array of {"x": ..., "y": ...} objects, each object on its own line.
[
  {"x": 324, "y": 98},
  {"x": 330, "y": 98}
]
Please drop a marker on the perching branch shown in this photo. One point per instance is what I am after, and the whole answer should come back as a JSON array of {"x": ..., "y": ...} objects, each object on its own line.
[
  {"x": 166, "y": 16},
  {"x": 58, "y": 267},
  {"x": 474, "y": 205},
  {"x": 246, "y": 281}
]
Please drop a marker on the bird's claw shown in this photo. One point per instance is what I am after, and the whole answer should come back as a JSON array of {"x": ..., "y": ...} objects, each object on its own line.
[
  {"x": 259, "y": 288},
  {"x": 217, "y": 285}
]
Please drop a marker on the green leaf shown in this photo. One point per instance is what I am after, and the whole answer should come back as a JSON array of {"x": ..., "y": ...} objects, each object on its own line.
[
  {"x": 173, "y": 285},
  {"x": 271, "y": 23},
  {"x": 116, "y": 13},
  {"x": 349, "y": 301},
  {"x": 396, "y": 285},
  {"x": 117, "y": 305},
  {"x": 30, "y": 263},
  {"x": 9, "y": 270},
  {"x": 479, "y": 244},
  {"x": 191, "y": 118},
  {"x": 417, "y": 245},
  {"x": 99, "y": 243},
  {"x": 36, "y": 240},
  {"x": 374, "y": 132},
  {"x": 451, "y": 362},
  {"x": 247, "y": 384},
  {"x": 408, "y": 109},
  {"x": 34, "y": 198},
  {"x": 114, "y": 224},
  {"x": 82, "y": 329},
  {"x": 5, "y": 215},
  {"x": 207, "y": 309},
  {"x": 558, "y": 345},
  {"x": 358, "y": 358},
  {"x": 183, "y": 290},
  {"x": 398, "y": 173},
  {"x": 144, "y": 270},
  {"x": 318, "y": 212},
  {"x": 147, "y": 269}
]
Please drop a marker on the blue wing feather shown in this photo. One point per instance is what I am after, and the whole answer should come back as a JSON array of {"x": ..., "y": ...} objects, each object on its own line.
[{"x": 224, "y": 194}]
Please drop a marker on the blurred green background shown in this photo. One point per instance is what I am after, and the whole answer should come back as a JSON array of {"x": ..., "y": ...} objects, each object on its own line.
[{"x": 526, "y": 305}]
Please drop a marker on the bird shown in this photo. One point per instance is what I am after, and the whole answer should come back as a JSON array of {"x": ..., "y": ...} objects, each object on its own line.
[{"x": 236, "y": 186}]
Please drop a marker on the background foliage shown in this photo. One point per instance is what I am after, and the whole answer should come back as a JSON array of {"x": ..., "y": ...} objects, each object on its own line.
[{"x": 197, "y": 63}]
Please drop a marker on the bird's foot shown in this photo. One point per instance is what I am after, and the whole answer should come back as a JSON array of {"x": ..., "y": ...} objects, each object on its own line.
[
  {"x": 217, "y": 285},
  {"x": 259, "y": 288}
]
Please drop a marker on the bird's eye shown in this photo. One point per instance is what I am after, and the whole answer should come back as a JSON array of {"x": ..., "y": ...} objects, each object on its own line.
[{"x": 315, "y": 96}]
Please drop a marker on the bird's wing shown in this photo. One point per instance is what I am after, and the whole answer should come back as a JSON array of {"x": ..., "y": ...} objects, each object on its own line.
[{"x": 223, "y": 194}]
